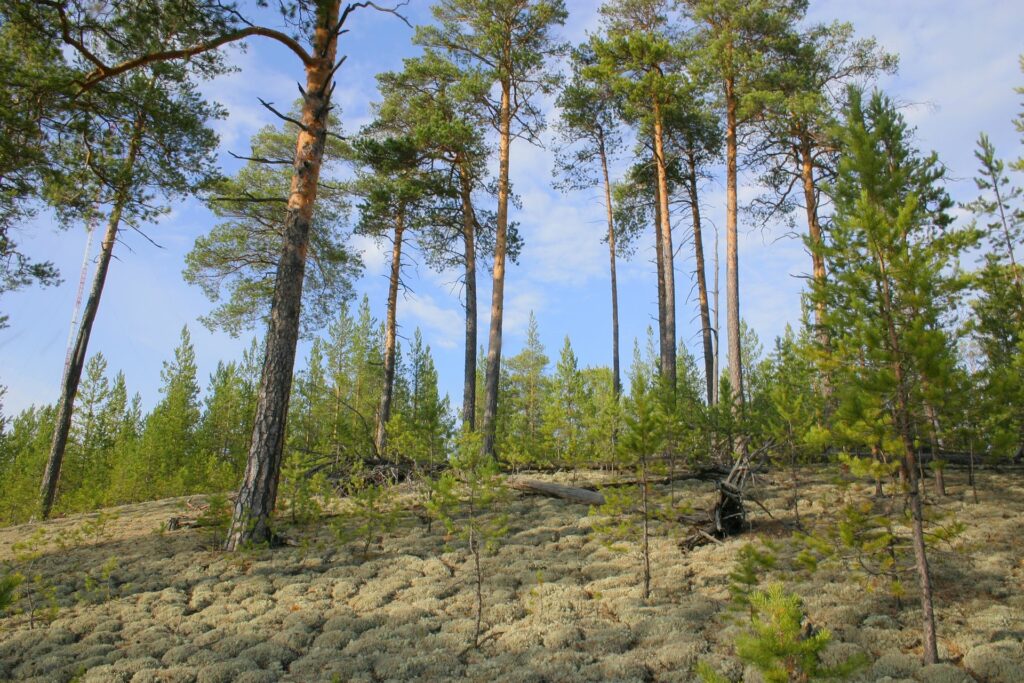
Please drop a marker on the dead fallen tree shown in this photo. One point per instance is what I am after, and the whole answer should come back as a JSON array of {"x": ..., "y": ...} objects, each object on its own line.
[{"x": 552, "y": 490}]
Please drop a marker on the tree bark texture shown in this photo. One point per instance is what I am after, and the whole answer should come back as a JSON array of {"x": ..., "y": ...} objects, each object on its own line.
[
  {"x": 668, "y": 331},
  {"x": 660, "y": 266},
  {"x": 250, "y": 522},
  {"x": 498, "y": 276},
  {"x": 73, "y": 373},
  {"x": 817, "y": 258},
  {"x": 616, "y": 376},
  {"x": 469, "y": 243},
  {"x": 715, "y": 326},
  {"x": 702, "y": 283},
  {"x": 815, "y": 235},
  {"x": 380, "y": 440},
  {"x": 732, "y": 278}
]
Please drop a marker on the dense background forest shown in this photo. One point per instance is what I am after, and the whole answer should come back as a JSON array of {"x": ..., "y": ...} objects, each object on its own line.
[{"x": 908, "y": 357}]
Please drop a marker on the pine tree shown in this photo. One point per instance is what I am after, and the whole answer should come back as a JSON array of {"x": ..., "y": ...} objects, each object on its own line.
[
  {"x": 435, "y": 99},
  {"x": 565, "y": 411},
  {"x": 521, "y": 420},
  {"x": 800, "y": 99},
  {"x": 145, "y": 138},
  {"x": 507, "y": 42},
  {"x": 234, "y": 263},
  {"x": 638, "y": 59},
  {"x": 892, "y": 253},
  {"x": 735, "y": 43},
  {"x": 998, "y": 322},
  {"x": 395, "y": 186},
  {"x": 589, "y": 129},
  {"x": 169, "y": 441}
]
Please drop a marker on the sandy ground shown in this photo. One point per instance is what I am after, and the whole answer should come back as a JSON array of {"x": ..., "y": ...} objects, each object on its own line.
[{"x": 560, "y": 605}]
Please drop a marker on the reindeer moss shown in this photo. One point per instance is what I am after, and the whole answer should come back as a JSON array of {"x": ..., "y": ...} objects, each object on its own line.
[{"x": 558, "y": 603}]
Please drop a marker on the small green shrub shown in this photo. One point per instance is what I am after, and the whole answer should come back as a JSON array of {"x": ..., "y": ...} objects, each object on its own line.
[
  {"x": 9, "y": 584},
  {"x": 215, "y": 518},
  {"x": 781, "y": 645},
  {"x": 373, "y": 512}
]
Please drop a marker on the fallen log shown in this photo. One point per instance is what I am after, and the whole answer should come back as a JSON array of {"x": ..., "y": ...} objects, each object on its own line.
[
  {"x": 545, "y": 488},
  {"x": 712, "y": 473}
]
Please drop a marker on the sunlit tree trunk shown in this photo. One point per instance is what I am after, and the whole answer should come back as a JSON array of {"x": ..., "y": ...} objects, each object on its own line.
[
  {"x": 817, "y": 258},
  {"x": 732, "y": 278},
  {"x": 702, "y": 284},
  {"x": 498, "y": 278},
  {"x": 380, "y": 439},
  {"x": 616, "y": 376},
  {"x": 668, "y": 329},
  {"x": 250, "y": 522},
  {"x": 469, "y": 243}
]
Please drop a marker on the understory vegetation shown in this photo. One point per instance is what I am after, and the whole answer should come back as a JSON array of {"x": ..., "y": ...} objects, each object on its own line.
[{"x": 836, "y": 503}]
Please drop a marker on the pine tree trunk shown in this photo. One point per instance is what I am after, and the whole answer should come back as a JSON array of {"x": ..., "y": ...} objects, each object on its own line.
[
  {"x": 660, "y": 266},
  {"x": 935, "y": 442},
  {"x": 817, "y": 258},
  {"x": 73, "y": 373},
  {"x": 909, "y": 477},
  {"x": 732, "y": 278},
  {"x": 616, "y": 377},
  {"x": 250, "y": 522},
  {"x": 498, "y": 278},
  {"x": 929, "y": 646},
  {"x": 715, "y": 326},
  {"x": 469, "y": 243},
  {"x": 645, "y": 548},
  {"x": 380, "y": 440},
  {"x": 702, "y": 284},
  {"x": 668, "y": 336}
]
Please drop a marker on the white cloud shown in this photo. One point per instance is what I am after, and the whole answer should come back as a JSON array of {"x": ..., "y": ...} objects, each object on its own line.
[
  {"x": 375, "y": 256},
  {"x": 443, "y": 325}
]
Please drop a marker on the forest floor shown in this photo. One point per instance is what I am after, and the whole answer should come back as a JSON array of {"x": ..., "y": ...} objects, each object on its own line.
[{"x": 130, "y": 602}]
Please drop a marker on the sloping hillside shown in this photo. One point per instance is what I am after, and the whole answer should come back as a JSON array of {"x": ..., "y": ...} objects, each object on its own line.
[{"x": 134, "y": 603}]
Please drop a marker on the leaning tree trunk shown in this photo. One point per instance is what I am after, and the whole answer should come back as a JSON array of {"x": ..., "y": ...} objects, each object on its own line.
[
  {"x": 616, "y": 377},
  {"x": 732, "y": 278},
  {"x": 668, "y": 332},
  {"x": 73, "y": 372},
  {"x": 702, "y": 284},
  {"x": 250, "y": 521},
  {"x": 380, "y": 440},
  {"x": 469, "y": 242},
  {"x": 498, "y": 281}
]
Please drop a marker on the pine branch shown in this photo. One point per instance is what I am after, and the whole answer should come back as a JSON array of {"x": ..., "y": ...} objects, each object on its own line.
[
  {"x": 289, "y": 119},
  {"x": 103, "y": 72}
]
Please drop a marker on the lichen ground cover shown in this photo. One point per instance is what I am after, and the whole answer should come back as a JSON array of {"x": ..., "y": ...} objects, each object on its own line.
[{"x": 559, "y": 604}]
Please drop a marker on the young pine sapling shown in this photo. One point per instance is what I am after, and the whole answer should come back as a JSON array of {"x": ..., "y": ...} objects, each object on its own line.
[{"x": 464, "y": 500}]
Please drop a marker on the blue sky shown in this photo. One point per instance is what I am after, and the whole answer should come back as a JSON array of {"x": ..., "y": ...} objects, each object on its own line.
[{"x": 958, "y": 68}]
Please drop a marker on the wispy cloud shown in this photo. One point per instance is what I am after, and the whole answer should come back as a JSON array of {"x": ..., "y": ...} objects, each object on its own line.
[{"x": 443, "y": 325}]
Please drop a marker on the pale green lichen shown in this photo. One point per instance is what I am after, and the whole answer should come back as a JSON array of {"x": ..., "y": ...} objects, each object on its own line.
[{"x": 558, "y": 605}]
